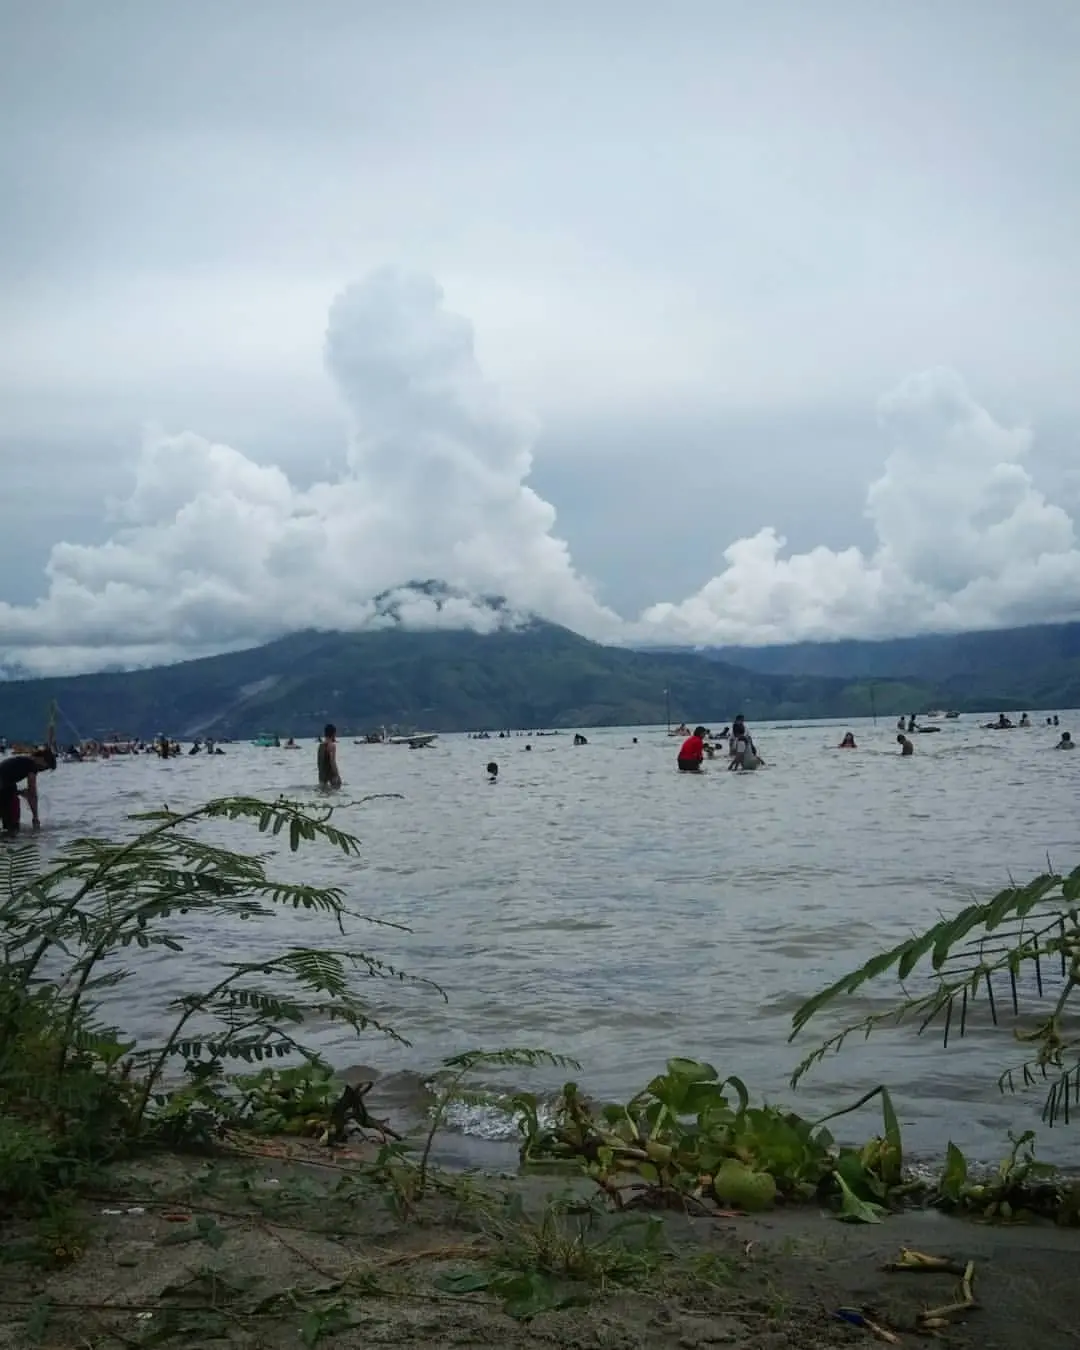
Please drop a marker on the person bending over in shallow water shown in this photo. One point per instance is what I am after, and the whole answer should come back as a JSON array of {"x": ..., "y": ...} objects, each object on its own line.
[
  {"x": 848, "y": 743},
  {"x": 329, "y": 777},
  {"x": 743, "y": 753},
  {"x": 13, "y": 771},
  {"x": 1066, "y": 742},
  {"x": 906, "y": 748},
  {"x": 692, "y": 752}
]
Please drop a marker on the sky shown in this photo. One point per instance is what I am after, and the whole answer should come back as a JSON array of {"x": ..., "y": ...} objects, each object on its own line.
[{"x": 696, "y": 323}]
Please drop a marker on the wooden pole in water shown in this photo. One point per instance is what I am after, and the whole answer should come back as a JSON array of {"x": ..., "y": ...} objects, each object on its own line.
[
  {"x": 873, "y": 710},
  {"x": 667, "y": 705}
]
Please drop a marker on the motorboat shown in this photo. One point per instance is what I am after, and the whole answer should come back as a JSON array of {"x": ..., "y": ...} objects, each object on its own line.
[{"x": 415, "y": 740}]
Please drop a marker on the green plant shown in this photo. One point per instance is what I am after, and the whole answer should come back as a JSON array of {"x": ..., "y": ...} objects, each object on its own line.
[
  {"x": 978, "y": 955},
  {"x": 74, "y": 1090},
  {"x": 1020, "y": 1187},
  {"x": 692, "y": 1141},
  {"x": 560, "y": 1256}
]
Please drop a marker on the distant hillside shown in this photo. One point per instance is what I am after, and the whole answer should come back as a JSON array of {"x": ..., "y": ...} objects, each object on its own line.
[
  {"x": 1008, "y": 656},
  {"x": 534, "y": 675}
]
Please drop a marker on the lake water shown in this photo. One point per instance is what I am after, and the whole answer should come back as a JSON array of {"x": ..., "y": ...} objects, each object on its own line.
[{"x": 597, "y": 903}]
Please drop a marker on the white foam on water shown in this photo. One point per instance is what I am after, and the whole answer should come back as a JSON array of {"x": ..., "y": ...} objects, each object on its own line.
[{"x": 489, "y": 1120}]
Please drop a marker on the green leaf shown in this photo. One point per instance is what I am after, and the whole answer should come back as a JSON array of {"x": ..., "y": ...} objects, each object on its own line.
[
  {"x": 692, "y": 1070},
  {"x": 530, "y": 1293},
  {"x": 854, "y": 1210},
  {"x": 894, "y": 1137},
  {"x": 954, "y": 1175}
]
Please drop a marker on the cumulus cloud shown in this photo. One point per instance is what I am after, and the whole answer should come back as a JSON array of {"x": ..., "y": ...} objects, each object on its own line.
[
  {"x": 212, "y": 550},
  {"x": 965, "y": 540}
]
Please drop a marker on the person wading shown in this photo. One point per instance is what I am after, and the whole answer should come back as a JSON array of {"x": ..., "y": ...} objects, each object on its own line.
[
  {"x": 19, "y": 769},
  {"x": 329, "y": 777},
  {"x": 692, "y": 752}
]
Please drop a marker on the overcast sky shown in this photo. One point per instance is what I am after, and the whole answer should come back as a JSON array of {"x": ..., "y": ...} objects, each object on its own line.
[{"x": 699, "y": 321}]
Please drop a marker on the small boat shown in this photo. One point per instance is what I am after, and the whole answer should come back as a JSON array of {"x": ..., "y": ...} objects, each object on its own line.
[
  {"x": 266, "y": 741},
  {"x": 415, "y": 740}
]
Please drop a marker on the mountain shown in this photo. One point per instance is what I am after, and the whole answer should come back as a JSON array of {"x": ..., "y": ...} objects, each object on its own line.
[
  {"x": 1009, "y": 654},
  {"x": 528, "y": 674},
  {"x": 1010, "y": 668},
  {"x": 440, "y": 660}
]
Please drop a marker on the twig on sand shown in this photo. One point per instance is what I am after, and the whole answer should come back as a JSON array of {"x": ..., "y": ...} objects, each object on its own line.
[
  {"x": 936, "y": 1319},
  {"x": 469, "y": 1251}
]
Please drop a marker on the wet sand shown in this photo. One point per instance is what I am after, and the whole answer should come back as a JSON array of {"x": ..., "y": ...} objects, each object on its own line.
[{"x": 263, "y": 1251}]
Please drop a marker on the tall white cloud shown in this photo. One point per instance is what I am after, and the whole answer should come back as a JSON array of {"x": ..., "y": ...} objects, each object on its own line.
[
  {"x": 964, "y": 540},
  {"x": 212, "y": 550}
]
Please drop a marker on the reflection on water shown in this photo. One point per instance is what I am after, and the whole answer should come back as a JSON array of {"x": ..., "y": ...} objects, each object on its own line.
[{"x": 595, "y": 902}]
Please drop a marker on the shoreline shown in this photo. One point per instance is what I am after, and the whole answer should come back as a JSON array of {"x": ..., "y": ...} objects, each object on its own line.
[{"x": 258, "y": 1248}]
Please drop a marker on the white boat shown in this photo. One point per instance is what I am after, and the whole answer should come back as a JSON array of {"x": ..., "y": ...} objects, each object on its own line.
[{"x": 415, "y": 740}]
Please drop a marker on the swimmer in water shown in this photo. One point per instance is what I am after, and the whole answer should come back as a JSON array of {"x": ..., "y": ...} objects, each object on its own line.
[
  {"x": 493, "y": 772},
  {"x": 1066, "y": 742},
  {"x": 848, "y": 743},
  {"x": 326, "y": 759},
  {"x": 906, "y": 748}
]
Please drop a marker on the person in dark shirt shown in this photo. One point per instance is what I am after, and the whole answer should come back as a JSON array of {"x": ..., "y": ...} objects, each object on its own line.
[
  {"x": 17, "y": 769},
  {"x": 329, "y": 777},
  {"x": 692, "y": 752}
]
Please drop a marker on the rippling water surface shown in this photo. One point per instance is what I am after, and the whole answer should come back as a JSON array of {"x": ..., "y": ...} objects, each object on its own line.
[{"x": 596, "y": 902}]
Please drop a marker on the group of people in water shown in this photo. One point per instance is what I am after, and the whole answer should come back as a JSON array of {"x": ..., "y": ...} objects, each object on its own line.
[
  {"x": 19, "y": 772},
  {"x": 742, "y": 753}
]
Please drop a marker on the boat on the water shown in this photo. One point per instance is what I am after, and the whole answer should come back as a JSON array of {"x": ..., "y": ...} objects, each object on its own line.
[
  {"x": 266, "y": 740},
  {"x": 415, "y": 740}
]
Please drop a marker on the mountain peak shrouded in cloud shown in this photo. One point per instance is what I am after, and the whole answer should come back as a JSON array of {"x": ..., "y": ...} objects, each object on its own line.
[
  {"x": 433, "y": 604},
  {"x": 212, "y": 550}
]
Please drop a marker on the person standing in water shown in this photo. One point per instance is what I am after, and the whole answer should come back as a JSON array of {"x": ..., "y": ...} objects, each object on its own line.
[
  {"x": 692, "y": 752},
  {"x": 906, "y": 748},
  {"x": 15, "y": 770},
  {"x": 329, "y": 777}
]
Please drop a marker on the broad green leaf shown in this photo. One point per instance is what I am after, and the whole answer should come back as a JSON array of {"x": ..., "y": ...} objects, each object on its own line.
[{"x": 854, "y": 1210}]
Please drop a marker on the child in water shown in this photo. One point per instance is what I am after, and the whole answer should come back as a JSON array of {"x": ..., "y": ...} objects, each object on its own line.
[{"x": 906, "y": 748}]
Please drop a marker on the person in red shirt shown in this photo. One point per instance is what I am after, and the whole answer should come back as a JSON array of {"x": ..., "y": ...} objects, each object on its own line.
[{"x": 692, "y": 751}]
